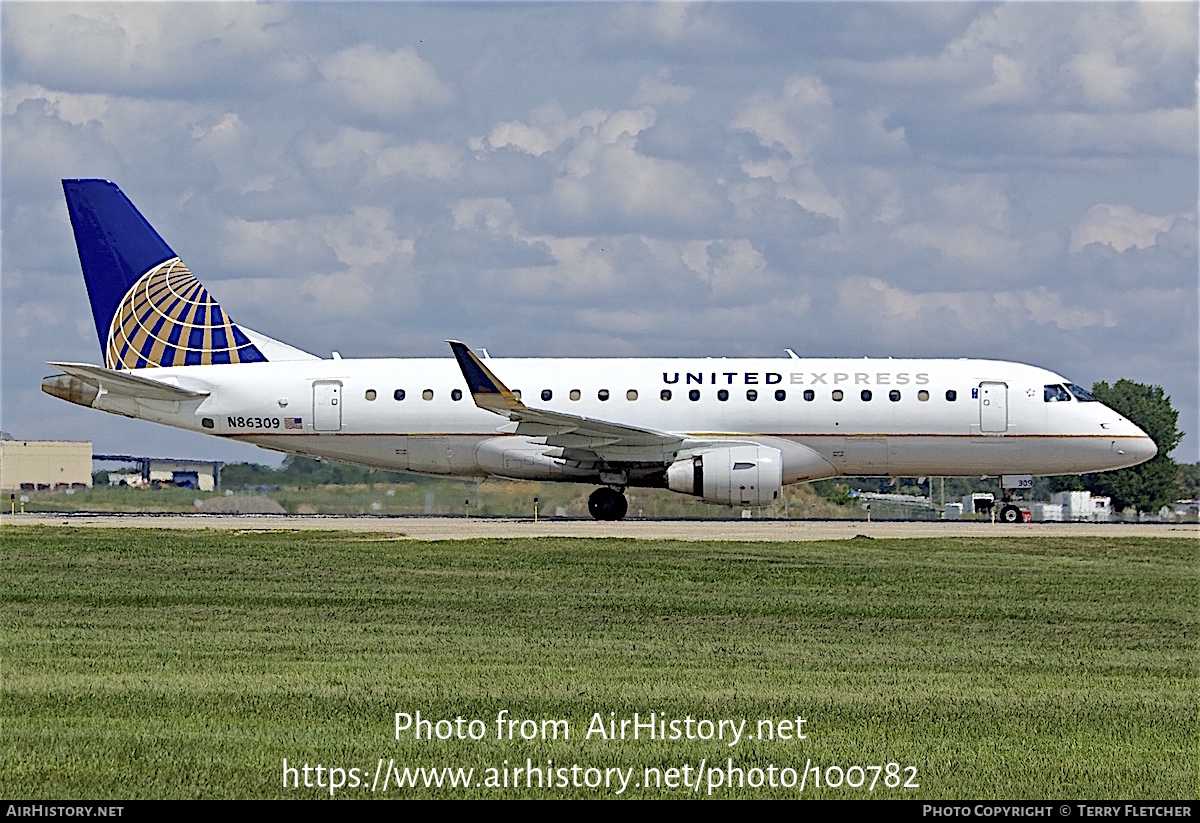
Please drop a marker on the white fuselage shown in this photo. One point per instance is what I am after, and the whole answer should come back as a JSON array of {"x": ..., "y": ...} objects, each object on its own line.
[{"x": 999, "y": 421}]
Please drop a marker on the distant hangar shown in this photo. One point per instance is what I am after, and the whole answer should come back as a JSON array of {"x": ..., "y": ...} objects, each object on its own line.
[
  {"x": 40, "y": 465},
  {"x": 154, "y": 472}
]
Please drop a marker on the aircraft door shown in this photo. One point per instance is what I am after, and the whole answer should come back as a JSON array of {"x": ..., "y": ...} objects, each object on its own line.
[
  {"x": 993, "y": 408},
  {"x": 327, "y": 406}
]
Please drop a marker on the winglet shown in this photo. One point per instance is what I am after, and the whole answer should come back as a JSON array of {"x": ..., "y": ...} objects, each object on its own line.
[{"x": 486, "y": 389}]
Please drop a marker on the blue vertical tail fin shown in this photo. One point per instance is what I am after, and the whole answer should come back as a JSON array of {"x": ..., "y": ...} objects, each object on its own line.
[{"x": 149, "y": 309}]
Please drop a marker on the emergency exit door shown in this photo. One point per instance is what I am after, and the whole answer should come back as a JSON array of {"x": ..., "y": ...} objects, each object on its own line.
[
  {"x": 993, "y": 408},
  {"x": 327, "y": 406}
]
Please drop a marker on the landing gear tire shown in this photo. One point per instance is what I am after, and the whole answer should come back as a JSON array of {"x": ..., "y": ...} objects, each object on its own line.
[
  {"x": 1010, "y": 514},
  {"x": 607, "y": 504}
]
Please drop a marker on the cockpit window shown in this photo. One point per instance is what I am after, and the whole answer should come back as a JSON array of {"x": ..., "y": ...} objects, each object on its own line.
[
  {"x": 1080, "y": 395},
  {"x": 1056, "y": 394}
]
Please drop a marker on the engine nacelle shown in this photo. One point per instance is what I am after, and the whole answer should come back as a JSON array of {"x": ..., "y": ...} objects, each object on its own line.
[{"x": 745, "y": 475}]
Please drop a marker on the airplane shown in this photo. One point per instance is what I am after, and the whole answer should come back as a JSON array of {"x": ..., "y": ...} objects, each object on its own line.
[{"x": 731, "y": 431}]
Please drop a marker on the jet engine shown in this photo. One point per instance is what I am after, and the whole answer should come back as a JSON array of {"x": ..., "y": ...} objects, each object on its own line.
[{"x": 745, "y": 475}]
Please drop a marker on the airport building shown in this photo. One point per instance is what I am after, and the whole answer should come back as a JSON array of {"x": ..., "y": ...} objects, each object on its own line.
[
  {"x": 156, "y": 472},
  {"x": 45, "y": 465},
  {"x": 30, "y": 465}
]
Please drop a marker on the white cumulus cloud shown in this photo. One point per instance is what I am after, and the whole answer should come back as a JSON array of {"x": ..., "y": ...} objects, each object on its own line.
[
  {"x": 792, "y": 125},
  {"x": 382, "y": 83},
  {"x": 1120, "y": 227}
]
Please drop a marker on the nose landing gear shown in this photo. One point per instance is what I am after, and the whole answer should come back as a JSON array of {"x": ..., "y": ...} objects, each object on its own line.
[{"x": 607, "y": 504}]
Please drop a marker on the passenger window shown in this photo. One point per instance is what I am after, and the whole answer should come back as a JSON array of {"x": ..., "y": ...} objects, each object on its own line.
[
  {"x": 751, "y": 394},
  {"x": 398, "y": 394},
  {"x": 574, "y": 394},
  {"x": 837, "y": 395},
  {"x": 894, "y": 395},
  {"x": 922, "y": 395},
  {"x": 631, "y": 394},
  {"x": 951, "y": 395},
  {"x": 780, "y": 394},
  {"x": 427, "y": 394},
  {"x": 456, "y": 394},
  {"x": 866, "y": 395},
  {"x": 665, "y": 394},
  {"x": 810, "y": 395},
  {"x": 370, "y": 395},
  {"x": 547, "y": 395},
  {"x": 1055, "y": 394},
  {"x": 602, "y": 394},
  {"x": 723, "y": 395},
  {"x": 694, "y": 394}
]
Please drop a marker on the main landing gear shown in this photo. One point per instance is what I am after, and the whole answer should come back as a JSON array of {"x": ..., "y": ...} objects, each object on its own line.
[{"x": 607, "y": 504}]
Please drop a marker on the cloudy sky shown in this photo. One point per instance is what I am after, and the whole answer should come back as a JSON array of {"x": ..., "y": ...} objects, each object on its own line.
[{"x": 944, "y": 180}]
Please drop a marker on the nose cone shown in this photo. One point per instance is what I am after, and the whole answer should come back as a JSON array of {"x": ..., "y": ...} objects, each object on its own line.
[
  {"x": 1134, "y": 448},
  {"x": 1143, "y": 448}
]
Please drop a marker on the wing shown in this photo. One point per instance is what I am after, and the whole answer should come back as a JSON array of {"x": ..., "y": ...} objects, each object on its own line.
[{"x": 582, "y": 439}]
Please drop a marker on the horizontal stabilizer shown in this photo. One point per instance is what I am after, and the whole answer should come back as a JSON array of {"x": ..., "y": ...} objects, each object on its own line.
[{"x": 127, "y": 385}]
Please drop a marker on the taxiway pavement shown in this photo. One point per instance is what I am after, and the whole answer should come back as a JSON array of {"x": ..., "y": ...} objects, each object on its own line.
[{"x": 461, "y": 528}]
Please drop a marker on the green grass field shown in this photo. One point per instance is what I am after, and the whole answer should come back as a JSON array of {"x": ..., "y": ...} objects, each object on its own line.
[{"x": 192, "y": 664}]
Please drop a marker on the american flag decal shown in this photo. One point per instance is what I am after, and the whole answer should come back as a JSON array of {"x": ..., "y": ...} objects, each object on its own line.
[{"x": 293, "y": 422}]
